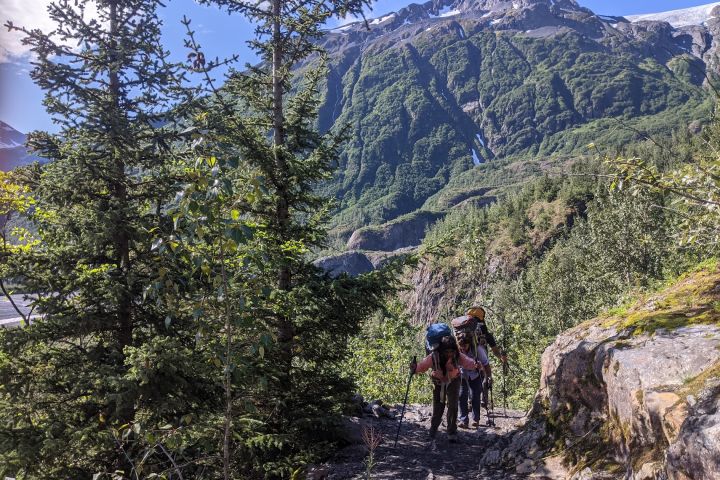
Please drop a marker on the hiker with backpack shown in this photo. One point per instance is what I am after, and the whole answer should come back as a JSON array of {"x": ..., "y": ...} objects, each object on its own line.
[
  {"x": 485, "y": 337},
  {"x": 445, "y": 359},
  {"x": 474, "y": 337}
]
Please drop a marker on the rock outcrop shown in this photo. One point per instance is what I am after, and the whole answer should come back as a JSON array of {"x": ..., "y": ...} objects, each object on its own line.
[
  {"x": 407, "y": 231},
  {"x": 353, "y": 263},
  {"x": 633, "y": 395}
]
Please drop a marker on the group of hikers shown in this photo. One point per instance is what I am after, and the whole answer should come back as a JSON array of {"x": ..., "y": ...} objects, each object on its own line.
[{"x": 460, "y": 370}]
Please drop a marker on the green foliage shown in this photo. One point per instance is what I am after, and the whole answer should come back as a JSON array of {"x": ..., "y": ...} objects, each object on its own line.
[
  {"x": 691, "y": 181},
  {"x": 184, "y": 331},
  {"x": 417, "y": 108},
  {"x": 552, "y": 254},
  {"x": 381, "y": 358},
  {"x": 74, "y": 376}
]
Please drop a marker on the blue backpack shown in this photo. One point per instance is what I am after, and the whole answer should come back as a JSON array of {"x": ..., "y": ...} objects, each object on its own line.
[{"x": 435, "y": 333}]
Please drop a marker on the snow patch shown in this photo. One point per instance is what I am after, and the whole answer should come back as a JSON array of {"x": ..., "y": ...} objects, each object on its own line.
[
  {"x": 496, "y": 21},
  {"x": 451, "y": 13},
  {"x": 482, "y": 142},
  {"x": 378, "y": 21},
  {"x": 446, "y": 12},
  {"x": 343, "y": 28},
  {"x": 10, "y": 145},
  {"x": 461, "y": 32},
  {"x": 679, "y": 18}
]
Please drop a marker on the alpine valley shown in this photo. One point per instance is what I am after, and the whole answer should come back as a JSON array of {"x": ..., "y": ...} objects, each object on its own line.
[{"x": 438, "y": 95}]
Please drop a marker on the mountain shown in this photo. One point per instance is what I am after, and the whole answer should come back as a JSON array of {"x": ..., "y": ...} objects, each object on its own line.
[
  {"x": 12, "y": 149},
  {"x": 436, "y": 89}
]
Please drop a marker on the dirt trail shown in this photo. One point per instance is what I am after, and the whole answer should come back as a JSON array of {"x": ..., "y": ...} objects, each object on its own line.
[{"x": 412, "y": 458}]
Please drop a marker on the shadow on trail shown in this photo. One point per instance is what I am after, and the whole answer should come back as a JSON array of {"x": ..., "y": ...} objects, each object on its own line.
[{"x": 413, "y": 458}]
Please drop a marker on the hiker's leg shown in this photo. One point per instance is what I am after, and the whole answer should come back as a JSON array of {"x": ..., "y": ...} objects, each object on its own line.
[
  {"x": 453, "y": 391},
  {"x": 464, "y": 391},
  {"x": 476, "y": 388},
  {"x": 438, "y": 408}
]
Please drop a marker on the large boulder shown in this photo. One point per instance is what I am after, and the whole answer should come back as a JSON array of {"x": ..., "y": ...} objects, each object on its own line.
[
  {"x": 636, "y": 395},
  {"x": 352, "y": 263}
]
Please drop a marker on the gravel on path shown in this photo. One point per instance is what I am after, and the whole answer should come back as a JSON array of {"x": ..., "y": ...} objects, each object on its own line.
[{"x": 413, "y": 459}]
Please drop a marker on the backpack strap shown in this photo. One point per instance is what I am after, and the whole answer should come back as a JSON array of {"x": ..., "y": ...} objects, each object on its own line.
[{"x": 436, "y": 361}]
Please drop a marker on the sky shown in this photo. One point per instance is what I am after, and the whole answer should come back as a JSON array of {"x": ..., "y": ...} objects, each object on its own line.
[{"x": 219, "y": 34}]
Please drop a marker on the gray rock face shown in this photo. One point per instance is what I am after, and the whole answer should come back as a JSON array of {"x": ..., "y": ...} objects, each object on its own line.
[
  {"x": 634, "y": 396},
  {"x": 633, "y": 387},
  {"x": 401, "y": 233},
  {"x": 352, "y": 263},
  {"x": 696, "y": 452}
]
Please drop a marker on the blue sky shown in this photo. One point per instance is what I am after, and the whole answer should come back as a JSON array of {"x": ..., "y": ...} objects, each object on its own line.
[{"x": 219, "y": 34}]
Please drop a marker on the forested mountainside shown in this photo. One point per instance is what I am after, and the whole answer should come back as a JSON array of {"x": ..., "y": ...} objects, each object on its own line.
[{"x": 435, "y": 89}]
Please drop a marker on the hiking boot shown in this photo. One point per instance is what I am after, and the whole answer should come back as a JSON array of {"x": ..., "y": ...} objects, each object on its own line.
[
  {"x": 463, "y": 424},
  {"x": 452, "y": 438},
  {"x": 475, "y": 423}
]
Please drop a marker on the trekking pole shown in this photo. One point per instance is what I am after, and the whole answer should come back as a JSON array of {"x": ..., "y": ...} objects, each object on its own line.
[
  {"x": 407, "y": 390},
  {"x": 504, "y": 389},
  {"x": 490, "y": 405}
]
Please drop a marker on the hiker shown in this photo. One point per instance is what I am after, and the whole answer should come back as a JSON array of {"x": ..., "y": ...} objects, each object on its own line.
[
  {"x": 444, "y": 359},
  {"x": 471, "y": 384},
  {"x": 485, "y": 336},
  {"x": 474, "y": 337}
]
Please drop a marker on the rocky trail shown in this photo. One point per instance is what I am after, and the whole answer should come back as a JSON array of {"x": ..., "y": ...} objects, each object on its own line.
[{"x": 413, "y": 459}]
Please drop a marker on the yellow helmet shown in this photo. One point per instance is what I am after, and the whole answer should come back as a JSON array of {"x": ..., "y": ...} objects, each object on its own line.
[{"x": 477, "y": 312}]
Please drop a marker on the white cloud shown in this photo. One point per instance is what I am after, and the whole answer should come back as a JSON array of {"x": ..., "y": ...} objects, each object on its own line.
[
  {"x": 23, "y": 13},
  {"x": 30, "y": 14}
]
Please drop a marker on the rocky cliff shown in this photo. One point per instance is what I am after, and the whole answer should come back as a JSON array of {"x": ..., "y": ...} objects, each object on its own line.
[
  {"x": 407, "y": 231},
  {"x": 634, "y": 394}
]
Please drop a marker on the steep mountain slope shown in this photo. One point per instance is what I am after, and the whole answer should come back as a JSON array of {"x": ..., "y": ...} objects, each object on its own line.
[
  {"x": 435, "y": 89},
  {"x": 12, "y": 149}
]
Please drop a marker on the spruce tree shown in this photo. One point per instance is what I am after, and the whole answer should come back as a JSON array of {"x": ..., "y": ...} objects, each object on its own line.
[
  {"x": 105, "y": 364},
  {"x": 246, "y": 224}
]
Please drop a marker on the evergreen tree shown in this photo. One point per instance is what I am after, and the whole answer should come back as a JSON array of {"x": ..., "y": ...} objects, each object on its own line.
[
  {"x": 104, "y": 364},
  {"x": 246, "y": 222}
]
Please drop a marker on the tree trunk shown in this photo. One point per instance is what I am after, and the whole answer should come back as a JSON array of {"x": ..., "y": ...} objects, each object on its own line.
[
  {"x": 282, "y": 213},
  {"x": 120, "y": 237}
]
